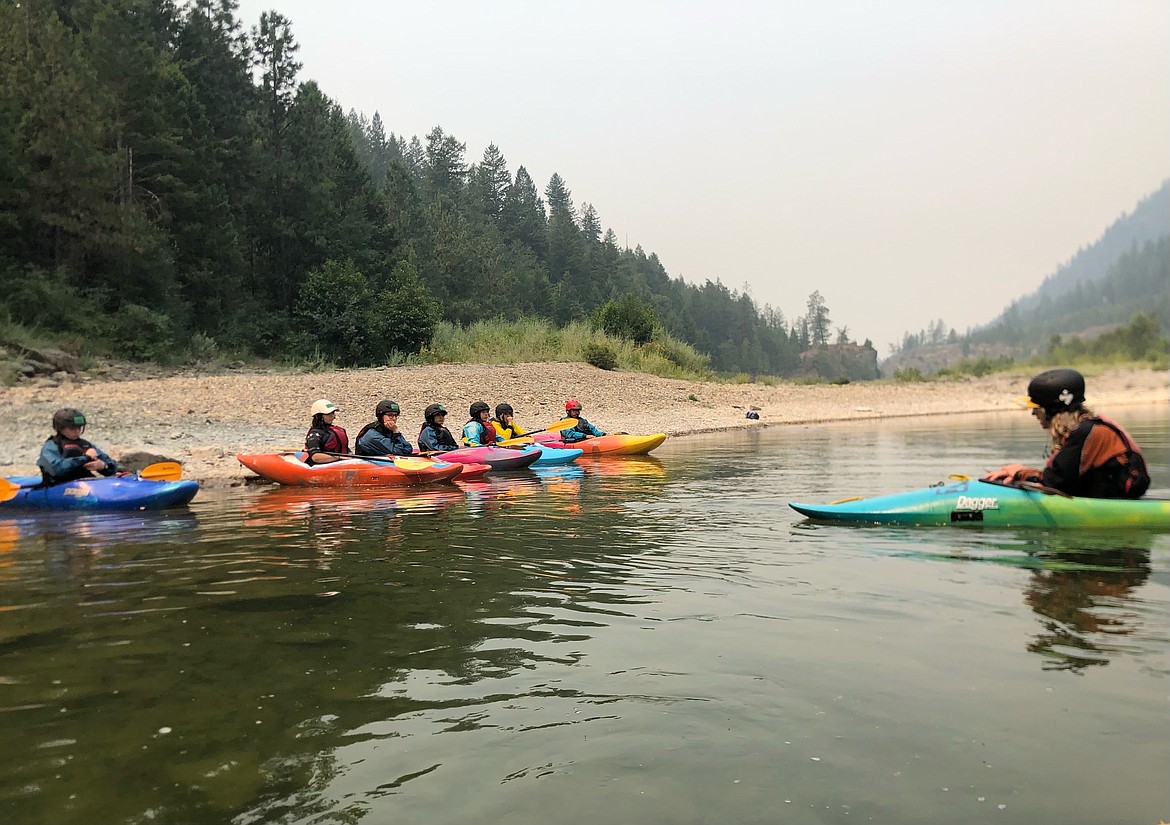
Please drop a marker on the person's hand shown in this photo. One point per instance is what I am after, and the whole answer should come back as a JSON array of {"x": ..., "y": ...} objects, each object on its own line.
[
  {"x": 1005, "y": 473},
  {"x": 92, "y": 453},
  {"x": 97, "y": 465}
]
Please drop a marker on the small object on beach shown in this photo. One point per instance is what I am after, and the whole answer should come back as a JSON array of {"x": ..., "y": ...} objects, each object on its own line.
[{"x": 752, "y": 414}]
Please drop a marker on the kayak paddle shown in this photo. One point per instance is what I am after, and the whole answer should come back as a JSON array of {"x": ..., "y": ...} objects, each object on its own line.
[
  {"x": 403, "y": 462},
  {"x": 162, "y": 471},
  {"x": 8, "y": 490},
  {"x": 555, "y": 427}
]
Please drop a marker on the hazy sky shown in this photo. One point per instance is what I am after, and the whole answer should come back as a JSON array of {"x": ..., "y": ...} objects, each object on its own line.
[{"x": 910, "y": 160}]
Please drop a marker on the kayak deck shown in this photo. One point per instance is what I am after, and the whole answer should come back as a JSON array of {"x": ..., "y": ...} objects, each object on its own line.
[
  {"x": 972, "y": 502},
  {"x": 128, "y": 492}
]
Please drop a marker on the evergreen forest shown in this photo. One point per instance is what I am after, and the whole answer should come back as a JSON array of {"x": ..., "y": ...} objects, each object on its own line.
[{"x": 169, "y": 185}]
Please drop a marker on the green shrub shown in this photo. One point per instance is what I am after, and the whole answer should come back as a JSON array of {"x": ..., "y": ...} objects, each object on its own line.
[
  {"x": 139, "y": 333},
  {"x": 343, "y": 319},
  {"x": 627, "y": 318},
  {"x": 601, "y": 356},
  {"x": 909, "y": 374}
]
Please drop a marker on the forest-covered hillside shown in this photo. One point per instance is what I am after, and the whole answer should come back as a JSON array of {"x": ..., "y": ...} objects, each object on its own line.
[
  {"x": 167, "y": 183},
  {"x": 1126, "y": 272}
]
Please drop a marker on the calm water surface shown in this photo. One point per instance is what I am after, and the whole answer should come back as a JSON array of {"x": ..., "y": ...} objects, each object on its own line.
[{"x": 626, "y": 641}]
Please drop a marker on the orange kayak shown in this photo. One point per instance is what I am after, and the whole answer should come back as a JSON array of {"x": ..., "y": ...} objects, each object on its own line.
[
  {"x": 616, "y": 444},
  {"x": 401, "y": 472}
]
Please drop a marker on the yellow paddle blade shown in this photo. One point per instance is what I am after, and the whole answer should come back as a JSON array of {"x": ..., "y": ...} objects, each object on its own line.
[
  {"x": 515, "y": 442},
  {"x": 408, "y": 463},
  {"x": 162, "y": 471},
  {"x": 563, "y": 424},
  {"x": 8, "y": 490}
]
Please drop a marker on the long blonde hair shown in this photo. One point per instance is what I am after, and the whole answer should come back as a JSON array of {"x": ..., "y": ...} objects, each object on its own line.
[{"x": 1063, "y": 423}]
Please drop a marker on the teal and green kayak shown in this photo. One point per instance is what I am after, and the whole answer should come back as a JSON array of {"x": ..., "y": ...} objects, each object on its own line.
[{"x": 991, "y": 504}]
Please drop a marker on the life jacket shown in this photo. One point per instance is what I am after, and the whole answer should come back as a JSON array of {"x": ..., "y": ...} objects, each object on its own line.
[
  {"x": 373, "y": 425},
  {"x": 504, "y": 432},
  {"x": 442, "y": 435},
  {"x": 333, "y": 439},
  {"x": 70, "y": 448},
  {"x": 487, "y": 437},
  {"x": 1135, "y": 477}
]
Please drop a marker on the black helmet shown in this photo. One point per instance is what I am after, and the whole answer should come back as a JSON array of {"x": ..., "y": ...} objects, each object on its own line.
[
  {"x": 504, "y": 409},
  {"x": 68, "y": 417},
  {"x": 386, "y": 407},
  {"x": 478, "y": 407},
  {"x": 432, "y": 410},
  {"x": 1057, "y": 390}
]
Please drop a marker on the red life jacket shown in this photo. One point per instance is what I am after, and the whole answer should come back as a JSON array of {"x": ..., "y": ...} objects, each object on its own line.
[{"x": 487, "y": 436}]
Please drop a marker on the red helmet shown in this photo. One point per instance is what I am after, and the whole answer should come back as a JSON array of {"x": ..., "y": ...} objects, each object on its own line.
[{"x": 572, "y": 404}]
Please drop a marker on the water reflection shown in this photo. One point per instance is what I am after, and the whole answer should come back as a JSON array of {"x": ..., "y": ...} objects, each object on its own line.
[{"x": 1086, "y": 603}]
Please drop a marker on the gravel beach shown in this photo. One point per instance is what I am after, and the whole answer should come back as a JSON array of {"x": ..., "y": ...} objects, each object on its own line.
[{"x": 203, "y": 420}]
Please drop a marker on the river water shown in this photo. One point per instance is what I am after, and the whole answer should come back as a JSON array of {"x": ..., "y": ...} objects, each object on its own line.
[{"x": 657, "y": 640}]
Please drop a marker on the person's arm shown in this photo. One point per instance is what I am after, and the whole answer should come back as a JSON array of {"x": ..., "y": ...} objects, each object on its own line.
[
  {"x": 1063, "y": 471},
  {"x": 400, "y": 446},
  {"x": 471, "y": 434},
  {"x": 109, "y": 465},
  {"x": 594, "y": 431},
  {"x": 517, "y": 430},
  {"x": 313, "y": 448},
  {"x": 56, "y": 465},
  {"x": 1014, "y": 473}
]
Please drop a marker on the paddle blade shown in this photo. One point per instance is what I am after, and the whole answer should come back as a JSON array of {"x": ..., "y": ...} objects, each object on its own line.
[
  {"x": 408, "y": 463},
  {"x": 162, "y": 471},
  {"x": 515, "y": 442},
  {"x": 563, "y": 424},
  {"x": 8, "y": 490}
]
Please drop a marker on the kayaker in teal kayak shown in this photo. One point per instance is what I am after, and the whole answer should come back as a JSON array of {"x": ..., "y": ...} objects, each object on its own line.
[
  {"x": 478, "y": 431},
  {"x": 324, "y": 437},
  {"x": 67, "y": 456},
  {"x": 433, "y": 437},
  {"x": 583, "y": 429},
  {"x": 381, "y": 436},
  {"x": 1089, "y": 455},
  {"x": 505, "y": 423}
]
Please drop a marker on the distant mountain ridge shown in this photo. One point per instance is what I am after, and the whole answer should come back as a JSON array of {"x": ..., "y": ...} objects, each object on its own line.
[
  {"x": 1149, "y": 221},
  {"x": 1126, "y": 271}
]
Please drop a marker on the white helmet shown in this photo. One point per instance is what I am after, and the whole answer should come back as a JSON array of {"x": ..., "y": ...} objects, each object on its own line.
[{"x": 323, "y": 407}]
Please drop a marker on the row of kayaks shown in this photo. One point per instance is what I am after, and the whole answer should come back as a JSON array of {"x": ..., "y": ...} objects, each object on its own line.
[
  {"x": 960, "y": 502},
  {"x": 134, "y": 492},
  {"x": 462, "y": 464}
]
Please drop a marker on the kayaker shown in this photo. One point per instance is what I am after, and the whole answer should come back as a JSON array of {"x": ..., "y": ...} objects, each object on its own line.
[
  {"x": 583, "y": 429},
  {"x": 66, "y": 456},
  {"x": 1088, "y": 454},
  {"x": 434, "y": 437},
  {"x": 479, "y": 431},
  {"x": 324, "y": 437},
  {"x": 381, "y": 436},
  {"x": 505, "y": 423}
]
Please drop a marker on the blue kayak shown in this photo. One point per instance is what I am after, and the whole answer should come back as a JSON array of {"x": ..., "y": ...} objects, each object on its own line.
[
  {"x": 554, "y": 455},
  {"x": 127, "y": 492}
]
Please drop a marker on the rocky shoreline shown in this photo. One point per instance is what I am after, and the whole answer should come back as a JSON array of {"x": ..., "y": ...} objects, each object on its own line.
[{"x": 204, "y": 420}]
